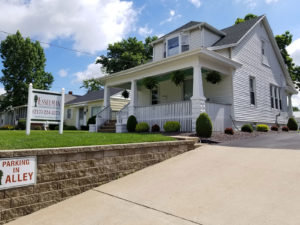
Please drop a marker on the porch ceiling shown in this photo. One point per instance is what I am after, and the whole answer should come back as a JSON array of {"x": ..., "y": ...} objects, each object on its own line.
[{"x": 180, "y": 61}]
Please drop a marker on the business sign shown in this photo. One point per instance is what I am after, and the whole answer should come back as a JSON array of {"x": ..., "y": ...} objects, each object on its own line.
[
  {"x": 45, "y": 107},
  {"x": 17, "y": 172}
]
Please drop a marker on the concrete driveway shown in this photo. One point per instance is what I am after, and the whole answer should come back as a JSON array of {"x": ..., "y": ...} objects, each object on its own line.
[
  {"x": 289, "y": 140},
  {"x": 212, "y": 185}
]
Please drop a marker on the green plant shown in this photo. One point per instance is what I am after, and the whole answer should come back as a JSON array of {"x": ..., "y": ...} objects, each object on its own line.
[
  {"x": 39, "y": 127},
  {"x": 274, "y": 128},
  {"x": 285, "y": 128},
  {"x": 150, "y": 82},
  {"x": 177, "y": 77},
  {"x": 67, "y": 127},
  {"x": 91, "y": 120},
  {"x": 292, "y": 124},
  {"x": 131, "y": 123},
  {"x": 262, "y": 128},
  {"x": 229, "y": 131},
  {"x": 21, "y": 125},
  {"x": 155, "y": 128},
  {"x": 142, "y": 127},
  {"x": 172, "y": 126},
  {"x": 204, "y": 126},
  {"x": 213, "y": 77},
  {"x": 84, "y": 127},
  {"x": 7, "y": 127},
  {"x": 247, "y": 128},
  {"x": 125, "y": 94}
]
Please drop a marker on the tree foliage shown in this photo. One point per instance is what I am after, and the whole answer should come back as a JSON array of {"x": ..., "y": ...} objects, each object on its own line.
[
  {"x": 23, "y": 63},
  {"x": 247, "y": 17},
  {"x": 126, "y": 54},
  {"x": 92, "y": 85}
]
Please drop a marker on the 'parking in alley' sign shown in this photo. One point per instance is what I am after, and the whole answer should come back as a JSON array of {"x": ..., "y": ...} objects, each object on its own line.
[{"x": 16, "y": 172}]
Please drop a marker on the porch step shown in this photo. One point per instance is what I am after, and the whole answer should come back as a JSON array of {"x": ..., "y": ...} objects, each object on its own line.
[{"x": 108, "y": 127}]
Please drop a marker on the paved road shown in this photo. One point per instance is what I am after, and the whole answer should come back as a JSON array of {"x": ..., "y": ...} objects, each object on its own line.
[
  {"x": 212, "y": 185},
  {"x": 275, "y": 141}
]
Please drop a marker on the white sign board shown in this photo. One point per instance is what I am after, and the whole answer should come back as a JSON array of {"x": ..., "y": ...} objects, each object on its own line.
[
  {"x": 17, "y": 172},
  {"x": 45, "y": 106}
]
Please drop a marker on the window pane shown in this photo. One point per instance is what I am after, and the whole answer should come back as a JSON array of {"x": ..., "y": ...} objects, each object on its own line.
[
  {"x": 95, "y": 110},
  {"x": 173, "y": 46},
  {"x": 252, "y": 95}
]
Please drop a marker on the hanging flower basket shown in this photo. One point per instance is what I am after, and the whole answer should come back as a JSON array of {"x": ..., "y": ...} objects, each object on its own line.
[
  {"x": 177, "y": 77},
  {"x": 125, "y": 94},
  {"x": 150, "y": 82},
  {"x": 213, "y": 77}
]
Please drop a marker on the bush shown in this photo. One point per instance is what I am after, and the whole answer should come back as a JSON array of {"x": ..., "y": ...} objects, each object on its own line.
[
  {"x": 262, "y": 128},
  {"x": 274, "y": 128},
  {"x": 52, "y": 126},
  {"x": 204, "y": 126},
  {"x": 83, "y": 127},
  {"x": 172, "y": 126},
  {"x": 39, "y": 127},
  {"x": 292, "y": 124},
  {"x": 21, "y": 125},
  {"x": 247, "y": 128},
  {"x": 285, "y": 128},
  {"x": 229, "y": 131},
  {"x": 155, "y": 128},
  {"x": 142, "y": 127},
  {"x": 7, "y": 127},
  {"x": 91, "y": 120},
  {"x": 131, "y": 123}
]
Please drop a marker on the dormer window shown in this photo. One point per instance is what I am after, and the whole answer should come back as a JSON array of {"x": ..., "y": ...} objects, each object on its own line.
[
  {"x": 173, "y": 46},
  {"x": 185, "y": 46}
]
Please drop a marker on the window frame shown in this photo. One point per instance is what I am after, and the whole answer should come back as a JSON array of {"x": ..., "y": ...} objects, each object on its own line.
[
  {"x": 276, "y": 97},
  {"x": 252, "y": 90},
  {"x": 71, "y": 114},
  {"x": 180, "y": 44},
  {"x": 96, "y": 106}
]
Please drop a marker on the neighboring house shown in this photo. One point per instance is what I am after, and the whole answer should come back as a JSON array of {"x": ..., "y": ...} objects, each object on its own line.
[
  {"x": 79, "y": 110},
  {"x": 255, "y": 88}
]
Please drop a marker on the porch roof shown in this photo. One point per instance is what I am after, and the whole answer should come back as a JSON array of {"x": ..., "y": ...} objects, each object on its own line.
[{"x": 201, "y": 52}]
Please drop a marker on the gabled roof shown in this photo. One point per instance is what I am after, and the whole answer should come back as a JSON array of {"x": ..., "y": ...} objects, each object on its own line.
[
  {"x": 185, "y": 26},
  {"x": 94, "y": 96},
  {"x": 236, "y": 32}
]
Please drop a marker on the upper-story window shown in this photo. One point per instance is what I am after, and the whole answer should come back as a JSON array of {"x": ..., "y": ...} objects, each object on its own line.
[
  {"x": 185, "y": 46},
  {"x": 173, "y": 46},
  {"x": 252, "y": 90},
  {"x": 263, "y": 51}
]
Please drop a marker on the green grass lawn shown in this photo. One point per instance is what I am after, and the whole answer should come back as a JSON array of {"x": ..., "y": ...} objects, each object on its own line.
[{"x": 50, "y": 139}]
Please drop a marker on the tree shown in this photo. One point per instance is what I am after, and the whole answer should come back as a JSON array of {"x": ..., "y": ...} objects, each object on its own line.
[
  {"x": 126, "y": 54},
  {"x": 24, "y": 63},
  {"x": 92, "y": 85},
  {"x": 247, "y": 17},
  {"x": 295, "y": 109}
]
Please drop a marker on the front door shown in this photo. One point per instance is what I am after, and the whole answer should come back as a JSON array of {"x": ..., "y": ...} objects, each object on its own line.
[{"x": 81, "y": 117}]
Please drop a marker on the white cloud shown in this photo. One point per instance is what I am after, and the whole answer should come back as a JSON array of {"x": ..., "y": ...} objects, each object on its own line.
[
  {"x": 63, "y": 72},
  {"x": 90, "y": 24},
  {"x": 251, "y": 4},
  {"x": 294, "y": 51},
  {"x": 2, "y": 91},
  {"x": 296, "y": 100},
  {"x": 271, "y": 1},
  {"x": 196, "y": 3},
  {"x": 172, "y": 16},
  {"x": 145, "y": 31},
  {"x": 92, "y": 71}
]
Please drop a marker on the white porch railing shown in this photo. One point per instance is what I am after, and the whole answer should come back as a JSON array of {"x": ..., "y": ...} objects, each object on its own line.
[
  {"x": 219, "y": 115},
  {"x": 103, "y": 116},
  {"x": 122, "y": 115},
  {"x": 161, "y": 113}
]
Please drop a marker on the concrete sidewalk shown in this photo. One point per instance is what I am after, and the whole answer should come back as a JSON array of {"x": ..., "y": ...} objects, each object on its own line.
[{"x": 212, "y": 185}]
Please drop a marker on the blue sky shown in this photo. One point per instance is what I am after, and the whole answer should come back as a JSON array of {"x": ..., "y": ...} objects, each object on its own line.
[{"x": 89, "y": 25}]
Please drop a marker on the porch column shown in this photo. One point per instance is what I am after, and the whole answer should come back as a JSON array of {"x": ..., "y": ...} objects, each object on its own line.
[
  {"x": 198, "y": 99},
  {"x": 290, "y": 111},
  {"x": 106, "y": 96},
  {"x": 133, "y": 98}
]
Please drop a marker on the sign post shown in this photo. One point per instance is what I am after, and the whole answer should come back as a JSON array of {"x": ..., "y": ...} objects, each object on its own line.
[{"x": 45, "y": 107}]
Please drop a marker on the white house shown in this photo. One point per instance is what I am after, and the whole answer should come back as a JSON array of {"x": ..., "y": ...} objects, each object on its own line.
[{"x": 255, "y": 86}]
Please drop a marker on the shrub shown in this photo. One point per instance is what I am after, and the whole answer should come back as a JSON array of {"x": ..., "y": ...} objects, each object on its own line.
[
  {"x": 285, "y": 128},
  {"x": 262, "y": 128},
  {"x": 204, "y": 126},
  {"x": 172, "y": 126},
  {"x": 131, "y": 123},
  {"x": 39, "y": 127},
  {"x": 274, "y": 128},
  {"x": 229, "y": 131},
  {"x": 247, "y": 128},
  {"x": 7, "y": 127},
  {"x": 52, "y": 126},
  {"x": 155, "y": 128},
  {"x": 142, "y": 127},
  {"x": 83, "y": 127},
  {"x": 21, "y": 125},
  {"x": 292, "y": 124},
  {"x": 91, "y": 120},
  {"x": 70, "y": 128}
]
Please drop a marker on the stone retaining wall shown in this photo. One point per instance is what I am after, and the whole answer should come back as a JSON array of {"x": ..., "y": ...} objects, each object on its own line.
[{"x": 64, "y": 172}]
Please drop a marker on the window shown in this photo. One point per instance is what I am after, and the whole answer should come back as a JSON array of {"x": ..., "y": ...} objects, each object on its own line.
[
  {"x": 173, "y": 46},
  {"x": 165, "y": 49},
  {"x": 187, "y": 89},
  {"x": 95, "y": 110},
  {"x": 185, "y": 43},
  {"x": 252, "y": 90},
  {"x": 272, "y": 96},
  {"x": 69, "y": 113},
  {"x": 275, "y": 97},
  {"x": 262, "y": 47},
  {"x": 154, "y": 96},
  {"x": 279, "y": 95}
]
